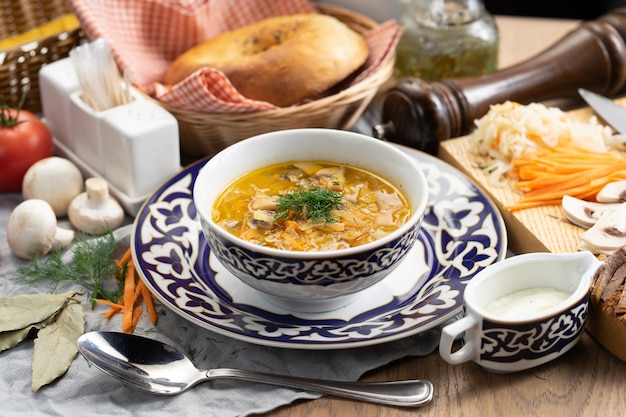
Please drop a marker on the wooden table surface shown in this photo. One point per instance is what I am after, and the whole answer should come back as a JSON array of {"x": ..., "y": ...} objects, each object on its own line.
[{"x": 586, "y": 381}]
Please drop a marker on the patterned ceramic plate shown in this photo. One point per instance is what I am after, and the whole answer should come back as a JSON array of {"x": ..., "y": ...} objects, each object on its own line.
[{"x": 462, "y": 233}]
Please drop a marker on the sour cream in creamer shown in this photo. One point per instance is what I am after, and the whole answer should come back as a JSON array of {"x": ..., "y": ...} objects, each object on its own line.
[{"x": 521, "y": 304}]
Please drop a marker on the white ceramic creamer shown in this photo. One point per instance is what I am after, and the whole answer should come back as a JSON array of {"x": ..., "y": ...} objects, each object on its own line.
[{"x": 503, "y": 331}]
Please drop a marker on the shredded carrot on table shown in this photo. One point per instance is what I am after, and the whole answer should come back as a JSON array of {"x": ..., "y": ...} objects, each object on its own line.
[
  {"x": 112, "y": 311},
  {"x": 126, "y": 257},
  {"x": 129, "y": 298},
  {"x": 546, "y": 176},
  {"x": 109, "y": 303},
  {"x": 135, "y": 318},
  {"x": 147, "y": 299},
  {"x": 134, "y": 293}
]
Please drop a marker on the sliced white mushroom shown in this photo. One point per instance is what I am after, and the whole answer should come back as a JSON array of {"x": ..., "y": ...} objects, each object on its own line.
[
  {"x": 32, "y": 230},
  {"x": 263, "y": 218},
  {"x": 613, "y": 192},
  {"x": 95, "y": 211},
  {"x": 309, "y": 168},
  {"x": 331, "y": 177},
  {"x": 608, "y": 234},
  {"x": 584, "y": 213},
  {"x": 55, "y": 180},
  {"x": 263, "y": 203}
]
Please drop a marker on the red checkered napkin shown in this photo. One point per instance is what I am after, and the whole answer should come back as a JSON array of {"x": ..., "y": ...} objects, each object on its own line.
[{"x": 147, "y": 35}]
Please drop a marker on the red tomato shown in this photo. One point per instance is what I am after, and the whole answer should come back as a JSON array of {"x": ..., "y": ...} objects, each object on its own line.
[{"x": 24, "y": 140}]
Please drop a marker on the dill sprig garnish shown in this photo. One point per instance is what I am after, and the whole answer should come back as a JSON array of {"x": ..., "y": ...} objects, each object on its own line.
[
  {"x": 92, "y": 262},
  {"x": 315, "y": 204}
]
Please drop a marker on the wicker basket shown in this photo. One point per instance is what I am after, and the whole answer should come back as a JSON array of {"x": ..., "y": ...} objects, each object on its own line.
[
  {"x": 203, "y": 134},
  {"x": 19, "y": 66}
]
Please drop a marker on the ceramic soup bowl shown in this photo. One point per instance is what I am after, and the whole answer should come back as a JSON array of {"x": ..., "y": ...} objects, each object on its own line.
[{"x": 310, "y": 281}]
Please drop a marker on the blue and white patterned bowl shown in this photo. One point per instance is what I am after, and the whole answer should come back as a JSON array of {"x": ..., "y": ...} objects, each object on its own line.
[{"x": 310, "y": 281}]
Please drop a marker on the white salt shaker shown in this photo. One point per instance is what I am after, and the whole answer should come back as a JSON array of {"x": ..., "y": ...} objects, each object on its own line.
[{"x": 140, "y": 146}]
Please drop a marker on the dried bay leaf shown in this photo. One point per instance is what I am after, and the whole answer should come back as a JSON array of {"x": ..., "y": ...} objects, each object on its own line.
[
  {"x": 20, "y": 311},
  {"x": 55, "y": 345},
  {"x": 12, "y": 338}
]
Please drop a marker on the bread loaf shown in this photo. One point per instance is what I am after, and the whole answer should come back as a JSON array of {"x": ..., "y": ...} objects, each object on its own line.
[{"x": 281, "y": 60}]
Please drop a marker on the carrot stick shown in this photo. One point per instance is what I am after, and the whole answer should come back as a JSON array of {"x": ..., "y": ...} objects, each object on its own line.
[
  {"x": 109, "y": 303},
  {"x": 127, "y": 256},
  {"x": 129, "y": 298},
  {"x": 545, "y": 176},
  {"x": 147, "y": 299},
  {"x": 138, "y": 291},
  {"x": 134, "y": 292},
  {"x": 565, "y": 182},
  {"x": 136, "y": 315},
  {"x": 521, "y": 205},
  {"x": 112, "y": 311}
]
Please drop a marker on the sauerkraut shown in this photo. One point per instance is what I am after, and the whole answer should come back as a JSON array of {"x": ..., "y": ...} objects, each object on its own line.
[{"x": 510, "y": 130}]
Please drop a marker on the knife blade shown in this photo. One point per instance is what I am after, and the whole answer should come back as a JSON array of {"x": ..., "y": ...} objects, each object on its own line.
[{"x": 611, "y": 112}]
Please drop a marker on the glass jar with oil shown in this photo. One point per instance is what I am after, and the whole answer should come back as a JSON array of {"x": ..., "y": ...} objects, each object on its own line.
[{"x": 446, "y": 38}]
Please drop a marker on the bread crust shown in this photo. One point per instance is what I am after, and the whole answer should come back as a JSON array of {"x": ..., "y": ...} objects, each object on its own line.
[{"x": 281, "y": 60}]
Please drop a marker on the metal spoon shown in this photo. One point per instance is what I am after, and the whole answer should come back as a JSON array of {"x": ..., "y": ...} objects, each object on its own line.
[{"x": 158, "y": 368}]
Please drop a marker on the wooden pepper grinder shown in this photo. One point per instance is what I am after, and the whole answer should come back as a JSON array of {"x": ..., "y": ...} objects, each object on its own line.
[{"x": 420, "y": 114}]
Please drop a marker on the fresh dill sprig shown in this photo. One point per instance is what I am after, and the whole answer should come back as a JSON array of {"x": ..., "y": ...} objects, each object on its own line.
[
  {"x": 92, "y": 262},
  {"x": 316, "y": 204}
]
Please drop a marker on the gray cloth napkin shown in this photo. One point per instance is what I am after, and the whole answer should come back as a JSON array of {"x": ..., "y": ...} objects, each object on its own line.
[{"x": 86, "y": 391}]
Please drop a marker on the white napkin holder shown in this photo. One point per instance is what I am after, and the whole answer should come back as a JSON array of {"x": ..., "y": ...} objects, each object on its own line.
[{"x": 134, "y": 146}]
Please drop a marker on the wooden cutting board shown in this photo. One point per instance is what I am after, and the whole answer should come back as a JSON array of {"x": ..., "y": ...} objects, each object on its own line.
[{"x": 542, "y": 229}]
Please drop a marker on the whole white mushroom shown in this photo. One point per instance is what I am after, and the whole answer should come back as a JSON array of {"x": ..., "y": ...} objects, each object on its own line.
[
  {"x": 55, "y": 180},
  {"x": 95, "y": 211},
  {"x": 32, "y": 230}
]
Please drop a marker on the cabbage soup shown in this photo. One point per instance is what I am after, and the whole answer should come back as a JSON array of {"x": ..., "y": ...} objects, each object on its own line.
[{"x": 311, "y": 206}]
